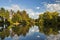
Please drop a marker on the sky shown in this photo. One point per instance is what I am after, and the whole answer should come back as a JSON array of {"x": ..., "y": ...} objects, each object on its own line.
[{"x": 33, "y": 7}]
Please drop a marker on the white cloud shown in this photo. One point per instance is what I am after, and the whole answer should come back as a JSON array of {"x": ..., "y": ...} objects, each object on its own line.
[
  {"x": 32, "y": 14},
  {"x": 53, "y": 7},
  {"x": 15, "y": 7},
  {"x": 38, "y": 8}
]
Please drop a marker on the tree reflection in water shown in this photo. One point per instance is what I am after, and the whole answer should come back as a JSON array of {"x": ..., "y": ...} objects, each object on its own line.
[
  {"x": 19, "y": 30},
  {"x": 23, "y": 30},
  {"x": 48, "y": 30},
  {"x": 4, "y": 33}
]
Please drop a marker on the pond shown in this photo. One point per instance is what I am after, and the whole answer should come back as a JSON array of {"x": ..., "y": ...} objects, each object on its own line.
[
  {"x": 33, "y": 34},
  {"x": 27, "y": 32}
]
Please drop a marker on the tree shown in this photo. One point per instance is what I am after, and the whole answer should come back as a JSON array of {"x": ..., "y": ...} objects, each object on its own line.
[
  {"x": 16, "y": 18},
  {"x": 49, "y": 22}
]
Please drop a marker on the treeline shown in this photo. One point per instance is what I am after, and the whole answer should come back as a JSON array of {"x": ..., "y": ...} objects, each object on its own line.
[
  {"x": 19, "y": 17},
  {"x": 49, "y": 22},
  {"x": 19, "y": 22}
]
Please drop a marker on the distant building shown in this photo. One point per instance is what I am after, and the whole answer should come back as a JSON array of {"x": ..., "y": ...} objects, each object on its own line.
[{"x": 11, "y": 14}]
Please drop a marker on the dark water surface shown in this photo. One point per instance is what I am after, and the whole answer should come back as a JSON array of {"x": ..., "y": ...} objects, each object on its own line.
[{"x": 33, "y": 34}]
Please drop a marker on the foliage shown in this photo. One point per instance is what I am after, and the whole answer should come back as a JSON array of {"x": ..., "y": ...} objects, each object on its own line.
[{"x": 49, "y": 22}]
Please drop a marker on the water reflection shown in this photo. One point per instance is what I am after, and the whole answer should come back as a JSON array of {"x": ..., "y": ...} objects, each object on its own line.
[
  {"x": 20, "y": 30},
  {"x": 32, "y": 34},
  {"x": 48, "y": 30},
  {"x": 26, "y": 32}
]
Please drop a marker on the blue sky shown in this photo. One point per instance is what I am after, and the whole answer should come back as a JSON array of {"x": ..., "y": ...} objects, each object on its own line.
[
  {"x": 31, "y": 4},
  {"x": 33, "y": 7}
]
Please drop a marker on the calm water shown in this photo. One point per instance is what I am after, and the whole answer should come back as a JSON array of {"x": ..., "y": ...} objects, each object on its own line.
[
  {"x": 30, "y": 33},
  {"x": 33, "y": 34}
]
